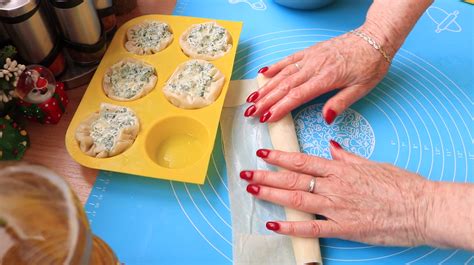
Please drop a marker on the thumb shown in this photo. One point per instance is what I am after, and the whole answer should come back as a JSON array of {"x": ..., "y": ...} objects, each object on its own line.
[
  {"x": 342, "y": 100},
  {"x": 338, "y": 153}
]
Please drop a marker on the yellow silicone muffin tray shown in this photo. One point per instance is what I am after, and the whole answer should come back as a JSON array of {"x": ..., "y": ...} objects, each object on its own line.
[{"x": 173, "y": 143}]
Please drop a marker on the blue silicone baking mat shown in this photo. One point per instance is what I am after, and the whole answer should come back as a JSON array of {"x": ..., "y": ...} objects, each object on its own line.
[
  {"x": 151, "y": 221},
  {"x": 420, "y": 117}
]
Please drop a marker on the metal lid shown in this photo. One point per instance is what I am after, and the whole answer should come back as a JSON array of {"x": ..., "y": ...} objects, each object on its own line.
[
  {"x": 102, "y": 4},
  {"x": 17, "y": 10},
  {"x": 65, "y": 3}
]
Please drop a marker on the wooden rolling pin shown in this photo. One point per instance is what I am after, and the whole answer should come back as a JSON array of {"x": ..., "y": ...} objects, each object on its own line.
[{"x": 283, "y": 136}]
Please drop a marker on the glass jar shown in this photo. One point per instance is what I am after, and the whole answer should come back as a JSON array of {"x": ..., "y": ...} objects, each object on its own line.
[{"x": 42, "y": 221}]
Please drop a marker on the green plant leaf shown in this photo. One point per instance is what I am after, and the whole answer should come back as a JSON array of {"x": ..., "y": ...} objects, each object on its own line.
[
  {"x": 8, "y": 51},
  {"x": 5, "y": 85}
]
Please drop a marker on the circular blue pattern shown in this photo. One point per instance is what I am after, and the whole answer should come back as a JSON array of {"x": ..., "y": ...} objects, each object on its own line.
[
  {"x": 350, "y": 129},
  {"x": 421, "y": 118}
]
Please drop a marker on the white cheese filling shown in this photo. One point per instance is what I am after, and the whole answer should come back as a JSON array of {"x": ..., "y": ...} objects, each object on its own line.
[
  {"x": 127, "y": 79},
  {"x": 208, "y": 39},
  {"x": 195, "y": 79},
  {"x": 151, "y": 34},
  {"x": 105, "y": 130}
]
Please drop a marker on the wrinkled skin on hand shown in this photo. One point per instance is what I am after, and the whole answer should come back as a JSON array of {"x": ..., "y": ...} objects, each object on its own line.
[
  {"x": 346, "y": 62},
  {"x": 363, "y": 201}
]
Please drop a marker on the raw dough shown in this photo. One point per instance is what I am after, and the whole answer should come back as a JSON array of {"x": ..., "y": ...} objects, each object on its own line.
[
  {"x": 148, "y": 37},
  {"x": 129, "y": 79},
  {"x": 207, "y": 41},
  {"x": 238, "y": 92},
  {"x": 194, "y": 84},
  {"x": 283, "y": 136},
  {"x": 108, "y": 132}
]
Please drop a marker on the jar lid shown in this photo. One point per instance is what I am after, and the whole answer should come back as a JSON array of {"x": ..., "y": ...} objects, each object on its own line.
[
  {"x": 15, "y": 11},
  {"x": 63, "y": 4},
  {"x": 102, "y": 4}
]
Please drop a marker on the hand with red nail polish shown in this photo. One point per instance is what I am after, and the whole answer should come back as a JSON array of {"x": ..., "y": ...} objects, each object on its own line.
[
  {"x": 246, "y": 174},
  {"x": 265, "y": 117},
  {"x": 263, "y": 70},
  {"x": 329, "y": 116},
  {"x": 252, "y": 97},
  {"x": 346, "y": 63},
  {"x": 365, "y": 201},
  {"x": 274, "y": 226},
  {"x": 253, "y": 189},
  {"x": 250, "y": 111},
  {"x": 263, "y": 153},
  {"x": 335, "y": 144}
]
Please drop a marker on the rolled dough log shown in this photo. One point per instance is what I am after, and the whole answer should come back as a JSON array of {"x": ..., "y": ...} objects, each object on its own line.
[
  {"x": 238, "y": 92},
  {"x": 283, "y": 136}
]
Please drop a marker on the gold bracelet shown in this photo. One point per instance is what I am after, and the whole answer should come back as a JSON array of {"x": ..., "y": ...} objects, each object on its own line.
[{"x": 373, "y": 43}]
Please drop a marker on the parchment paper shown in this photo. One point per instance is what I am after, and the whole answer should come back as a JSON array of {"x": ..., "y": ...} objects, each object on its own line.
[{"x": 252, "y": 242}]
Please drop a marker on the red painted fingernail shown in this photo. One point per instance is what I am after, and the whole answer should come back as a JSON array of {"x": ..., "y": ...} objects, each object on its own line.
[
  {"x": 330, "y": 116},
  {"x": 246, "y": 174},
  {"x": 252, "y": 97},
  {"x": 274, "y": 226},
  {"x": 265, "y": 116},
  {"x": 250, "y": 110},
  {"x": 263, "y": 70},
  {"x": 263, "y": 153},
  {"x": 335, "y": 144},
  {"x": 253, "y": 189}
]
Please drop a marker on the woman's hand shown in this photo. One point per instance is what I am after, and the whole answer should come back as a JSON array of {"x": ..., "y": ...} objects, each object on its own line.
[
  {"x": 346, "y": 62},
  {"x": 362, "y": 200}
]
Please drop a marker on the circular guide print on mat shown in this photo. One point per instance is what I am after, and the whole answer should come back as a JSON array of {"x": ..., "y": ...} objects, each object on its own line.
[
  {"x": 350, "y": 129},
  {"x": 419, "y": 115},
  {"x": 207, "y": 206}
]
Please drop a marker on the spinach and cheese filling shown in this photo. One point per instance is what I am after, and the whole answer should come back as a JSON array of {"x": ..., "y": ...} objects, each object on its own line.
[
  {"x": 149, "y": 37},
  {"x": 108, "y": 132},
  {"x": 207, "y": 41},
  {"x": 129, "y": 79},
  {"x": 194, "y": 79},
  {"x": 106, "y": 129},
  {"x": 194, "y": 84}
]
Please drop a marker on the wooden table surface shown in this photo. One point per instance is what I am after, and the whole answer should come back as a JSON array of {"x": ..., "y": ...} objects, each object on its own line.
[{"x": 47, "y": 141}]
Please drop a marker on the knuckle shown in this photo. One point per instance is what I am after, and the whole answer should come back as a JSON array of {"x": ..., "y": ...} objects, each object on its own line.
[
  {"x": 277, "y": 156},
  {"x": 285, "y": 87},
  {"x": 296, "y": 200},
  {"x": 291, "y": 228},
  {"x": 300, "y": 161},
  {"x": 297, "y": 94},
  {"x": 330, "y": 168},
  {"x": 315, "y": 229},
  {"x": 266, "y": 193},
  {"x": 292, "y": 58},
  {"x": 286, "y": 73},
  {"x": 291, "y": 181},
  {"x": 261, "y": 177},
  {"x": 342, "y": 103}
]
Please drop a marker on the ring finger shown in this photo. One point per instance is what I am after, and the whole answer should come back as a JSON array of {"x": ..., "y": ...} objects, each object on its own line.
[
  {"x": 287, "y": 180},
  {"x": 277, "y": 67},
  {"x": 296, "y": 199},
  {"x": 277, "y": 80}
]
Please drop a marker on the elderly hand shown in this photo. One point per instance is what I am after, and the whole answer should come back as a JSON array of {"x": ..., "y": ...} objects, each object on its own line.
[
  {"x": 362, "y": 200},
  {"x": 346, "y": 62}
]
